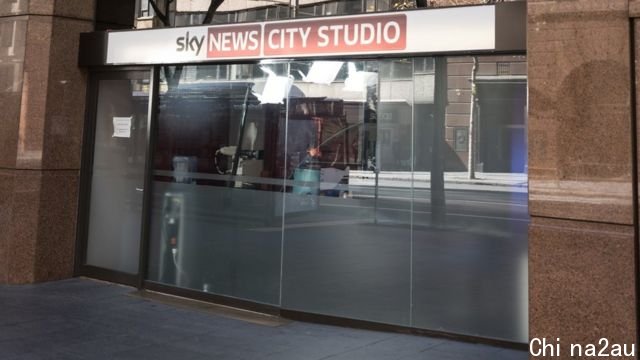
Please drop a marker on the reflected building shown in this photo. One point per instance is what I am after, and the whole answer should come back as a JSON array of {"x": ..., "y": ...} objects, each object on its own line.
[{"x": 12, "y": 52}]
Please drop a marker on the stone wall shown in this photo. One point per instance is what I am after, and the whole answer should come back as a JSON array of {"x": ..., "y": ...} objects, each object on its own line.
[
  {"x": 581, "y": 241},
  {"x": 41, "y": 123}
]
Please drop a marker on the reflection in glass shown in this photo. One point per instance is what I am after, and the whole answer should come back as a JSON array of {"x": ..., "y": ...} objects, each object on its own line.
[
  {"x": 346, "y": 232},
  {"x": 12, "y": 48},
  {"x": 343, "y": 188},
  {"x": 470, "y": 236},
  {"x": 216, "y": 223}
]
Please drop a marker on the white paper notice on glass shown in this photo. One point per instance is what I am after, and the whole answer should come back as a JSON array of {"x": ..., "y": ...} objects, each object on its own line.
[{"x": 122, "y": 127}]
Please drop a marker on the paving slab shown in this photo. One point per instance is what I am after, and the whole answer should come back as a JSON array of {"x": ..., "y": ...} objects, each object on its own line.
[{"x": 87, "y": 319}]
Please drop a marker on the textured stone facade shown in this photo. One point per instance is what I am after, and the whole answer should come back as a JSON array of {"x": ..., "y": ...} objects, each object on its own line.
[
  {"x": 581, "y": 240},
  {"x": 42, "y": 116}
]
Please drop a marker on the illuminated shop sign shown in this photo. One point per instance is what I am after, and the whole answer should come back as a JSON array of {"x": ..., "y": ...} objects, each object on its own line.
[
  {"x": 420, "y": 31},
  {"x": 344, "y": 35}
]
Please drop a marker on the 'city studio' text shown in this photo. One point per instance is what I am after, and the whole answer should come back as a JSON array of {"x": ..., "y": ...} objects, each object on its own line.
[
  {"x": 603, "y": 348},
  {"x": 349, "y": 35}
]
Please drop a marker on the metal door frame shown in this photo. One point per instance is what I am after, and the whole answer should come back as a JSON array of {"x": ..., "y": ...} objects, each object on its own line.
[{"x": 86, "y": 174}]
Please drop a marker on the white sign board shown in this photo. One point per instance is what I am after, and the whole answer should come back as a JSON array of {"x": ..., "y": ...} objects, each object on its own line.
[
  {"x": 122, "y": 127},
  {"x": 412, "y": 32}
]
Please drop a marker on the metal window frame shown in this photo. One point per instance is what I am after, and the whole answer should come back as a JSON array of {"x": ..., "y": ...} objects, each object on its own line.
[{"x": 86, "y": 173}]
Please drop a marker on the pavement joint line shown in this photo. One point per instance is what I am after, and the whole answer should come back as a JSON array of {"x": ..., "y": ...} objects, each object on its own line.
[
  {"x": 228, "y": 312},
  {"x": 432, "y": 346}
]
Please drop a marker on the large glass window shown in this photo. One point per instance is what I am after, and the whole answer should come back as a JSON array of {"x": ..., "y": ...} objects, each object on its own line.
[
  {"x": 145, "y": 9},
  {"x": 469, "y": 258},
  {"x": 392, "y": 191},
  {"x": 218, "y": 178},
  {"x": 347, "y": 227},
  {"x": 117, "y": 174},
  {"x": 12, "y": 7}
]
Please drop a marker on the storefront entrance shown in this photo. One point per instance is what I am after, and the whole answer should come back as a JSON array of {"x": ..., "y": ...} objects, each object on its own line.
[
  {"x": 114, "y": 177},
  {"x": 332, "y": 187}
]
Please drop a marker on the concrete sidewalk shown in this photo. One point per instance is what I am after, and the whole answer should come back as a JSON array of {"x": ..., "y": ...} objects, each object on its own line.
[{"x": 85, "y": 319}]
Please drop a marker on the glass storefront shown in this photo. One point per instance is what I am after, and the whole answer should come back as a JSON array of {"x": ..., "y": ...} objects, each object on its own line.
[
  {"x": 217, "y": 181},
  {"x": 117, "y": 181},
  {"x": 385, "y": 190}
]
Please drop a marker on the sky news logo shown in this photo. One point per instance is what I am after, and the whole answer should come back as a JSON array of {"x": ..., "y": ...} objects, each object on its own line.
[{"x": 326, "y": 36}]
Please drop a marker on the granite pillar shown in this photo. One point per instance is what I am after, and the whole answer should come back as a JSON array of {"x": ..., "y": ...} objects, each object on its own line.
[
  {"x": 581, "y": 283},
  {"x": 581, "y": 240},
  {"x": 42, "y": 100}
]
